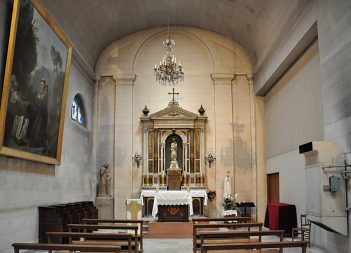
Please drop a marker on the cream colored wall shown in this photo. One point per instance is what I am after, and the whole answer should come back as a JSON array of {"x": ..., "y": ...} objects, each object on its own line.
[{"x": 217, "y": 76}]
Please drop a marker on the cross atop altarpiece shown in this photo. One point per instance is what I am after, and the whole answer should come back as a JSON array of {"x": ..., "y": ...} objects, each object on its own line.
[{"x": 173, "y": 102}]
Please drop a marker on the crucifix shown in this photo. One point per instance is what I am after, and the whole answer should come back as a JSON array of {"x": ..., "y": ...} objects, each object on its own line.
[{"x": 173, "y": 93}]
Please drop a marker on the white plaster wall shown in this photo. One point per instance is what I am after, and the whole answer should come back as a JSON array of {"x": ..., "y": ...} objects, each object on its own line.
[
  {"x": 292, "y": 184},
  {"x": 334, "y": 41},
  {"x": 201, "y": 53},
  {"x": 25, "y": 185},
  {"x": 294, "y": 111},
  {"x": 293, "y": 116}
]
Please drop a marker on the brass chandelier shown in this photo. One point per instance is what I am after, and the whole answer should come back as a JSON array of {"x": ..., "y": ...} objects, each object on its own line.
[{"x": 169, "y": 72}]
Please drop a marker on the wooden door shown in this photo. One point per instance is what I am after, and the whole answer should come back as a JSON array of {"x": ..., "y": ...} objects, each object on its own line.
[{"x": 273, "y": 188}]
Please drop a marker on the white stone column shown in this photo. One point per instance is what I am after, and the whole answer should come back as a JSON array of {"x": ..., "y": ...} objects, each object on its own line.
[
  {"x": 104, "y": 146},
  {"x": 223, "y": 133},
  {"x": 95, "y": 132},
  {"x": 124, "y": 179},
  {"x": 261, "y": 160},
  {"x": 253, "y": 141},
  {"x": 242, "y": 130}
]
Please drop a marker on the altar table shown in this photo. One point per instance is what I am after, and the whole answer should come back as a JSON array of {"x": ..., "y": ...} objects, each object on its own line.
[{"x": 281, "y": 216}]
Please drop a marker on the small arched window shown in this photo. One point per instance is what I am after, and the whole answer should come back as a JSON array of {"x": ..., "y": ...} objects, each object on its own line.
[{"x": 77, "y": 111}]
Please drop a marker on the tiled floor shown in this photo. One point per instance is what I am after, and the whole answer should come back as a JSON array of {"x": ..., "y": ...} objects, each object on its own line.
[{"x": 185, "y": 246}]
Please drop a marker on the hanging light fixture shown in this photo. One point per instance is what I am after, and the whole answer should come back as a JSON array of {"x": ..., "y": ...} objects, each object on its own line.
[{"x": 169, "y": 72}]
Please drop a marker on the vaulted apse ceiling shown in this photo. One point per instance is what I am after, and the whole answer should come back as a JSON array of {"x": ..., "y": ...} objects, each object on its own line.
[{"x": 91, "y": 25}]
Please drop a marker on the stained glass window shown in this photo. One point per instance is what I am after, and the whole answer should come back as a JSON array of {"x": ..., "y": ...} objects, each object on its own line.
[{"x": 77, "y": 111}]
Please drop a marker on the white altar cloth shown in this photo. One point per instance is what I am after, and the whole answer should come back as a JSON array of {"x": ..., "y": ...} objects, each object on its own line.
[
  {"x": 173, "y": 198},
  {"x": 193, "y": 193},
  {"x": 229, "y": 212}
]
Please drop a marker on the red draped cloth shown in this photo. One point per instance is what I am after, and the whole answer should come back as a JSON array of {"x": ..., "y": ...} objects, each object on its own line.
[{"x": 281, "y": 216}]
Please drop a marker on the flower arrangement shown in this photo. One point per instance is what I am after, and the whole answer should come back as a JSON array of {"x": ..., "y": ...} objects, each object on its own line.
[
  {"x": 229, "y": 203},
  {"x": 211, "y": 194}
]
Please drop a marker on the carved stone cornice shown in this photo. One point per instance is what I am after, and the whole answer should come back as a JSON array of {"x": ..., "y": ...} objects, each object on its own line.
[
  {"x": 127, "y": 79},
  {"x": 222, "y": 78}
]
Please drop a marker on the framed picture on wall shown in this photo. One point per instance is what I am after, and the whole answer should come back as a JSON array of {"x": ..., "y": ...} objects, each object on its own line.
[
  {"x": 35, "y": 84},
  {"x": 6, "y": 7}
]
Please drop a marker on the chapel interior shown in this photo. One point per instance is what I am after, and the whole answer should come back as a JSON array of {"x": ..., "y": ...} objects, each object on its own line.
[{"x": 260, "y": 114}]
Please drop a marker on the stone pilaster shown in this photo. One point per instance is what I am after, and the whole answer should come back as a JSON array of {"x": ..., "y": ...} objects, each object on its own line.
[{"x": 223, "y": 150}]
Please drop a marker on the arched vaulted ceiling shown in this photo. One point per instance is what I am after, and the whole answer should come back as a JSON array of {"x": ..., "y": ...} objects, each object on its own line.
[{"x": 91, "y": 25}]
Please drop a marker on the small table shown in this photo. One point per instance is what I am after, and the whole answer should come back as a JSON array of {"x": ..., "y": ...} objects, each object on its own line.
[{"x": 281, "y": 216}]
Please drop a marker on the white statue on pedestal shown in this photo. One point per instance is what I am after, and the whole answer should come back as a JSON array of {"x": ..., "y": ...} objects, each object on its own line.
[
  {"x": 227, "y": 193},
  {"x": 174, "y": 154}
]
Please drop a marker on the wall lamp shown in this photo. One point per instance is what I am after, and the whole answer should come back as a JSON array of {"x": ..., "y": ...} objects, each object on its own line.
[
  {"x": 137, "y": 159},
  {"x": 210, "y": 159}
]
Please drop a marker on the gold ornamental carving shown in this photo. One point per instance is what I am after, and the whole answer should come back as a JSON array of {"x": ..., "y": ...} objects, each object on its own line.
[{"x": 173, "y": 210}]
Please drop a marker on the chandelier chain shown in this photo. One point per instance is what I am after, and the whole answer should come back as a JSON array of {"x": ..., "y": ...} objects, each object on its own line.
[{"x": 169, "y": 72}]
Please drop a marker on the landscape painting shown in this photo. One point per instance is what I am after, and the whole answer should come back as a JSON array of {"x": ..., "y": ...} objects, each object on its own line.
[{"x": 35, "y": 87}]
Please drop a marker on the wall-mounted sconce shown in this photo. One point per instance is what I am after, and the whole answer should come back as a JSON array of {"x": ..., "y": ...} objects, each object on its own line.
[
  {"x": 137, "y": 159},
  {"x": 210, "y": 159}
]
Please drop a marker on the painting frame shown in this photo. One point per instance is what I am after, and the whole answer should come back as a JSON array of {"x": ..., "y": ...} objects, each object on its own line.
[
  {"x": 6, "y": 7},
  {"x": 26, "y": 151}
]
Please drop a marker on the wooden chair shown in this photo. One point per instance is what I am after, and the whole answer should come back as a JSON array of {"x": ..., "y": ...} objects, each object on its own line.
[{"x": 304, "y": 230}]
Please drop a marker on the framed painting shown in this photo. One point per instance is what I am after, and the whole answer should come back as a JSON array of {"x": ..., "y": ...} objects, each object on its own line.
[{"x": 35, "y": 85}]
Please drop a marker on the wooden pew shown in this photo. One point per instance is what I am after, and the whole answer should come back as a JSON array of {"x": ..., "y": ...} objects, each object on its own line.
[
  {"x": 56, "y": 217},
  {"x": 212, "y": 237},
  {"x": 222, "y": 219},
  {"x": 86, "y": 227},
  {"x": 235, "y": 248},
  {"x": 197, "y": 227},
  {"x": 140, "y": 224},
  {"x": 68, "y": 247},
  {"x": 116, "y": 239}
]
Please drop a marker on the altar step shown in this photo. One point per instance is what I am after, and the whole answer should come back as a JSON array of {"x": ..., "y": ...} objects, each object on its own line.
[{"x": 169, "y": 230}]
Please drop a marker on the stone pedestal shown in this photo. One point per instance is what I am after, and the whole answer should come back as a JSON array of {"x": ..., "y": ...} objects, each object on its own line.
[
  {"x": 174, "y": 179},
  {"x": 212, "y": 211},
  {"x": 105, "y": 206}
]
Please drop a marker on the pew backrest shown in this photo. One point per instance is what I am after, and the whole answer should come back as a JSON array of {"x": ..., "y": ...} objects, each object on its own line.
[
  {"x": 259, "y": 245},
  {"x": 222, "y": 219},
  {"x": 68, "y": 247},
  {"x": 86, "y": 227},
  {"x": 197, "y": 227},
  {"x": 217, "y": 235},
  {"x": 95, "y": 238},
  {"x": 140, "y": 224}
]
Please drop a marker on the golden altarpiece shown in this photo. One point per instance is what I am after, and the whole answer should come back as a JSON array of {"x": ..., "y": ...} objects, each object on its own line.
[{"x": 174, "y": 126}]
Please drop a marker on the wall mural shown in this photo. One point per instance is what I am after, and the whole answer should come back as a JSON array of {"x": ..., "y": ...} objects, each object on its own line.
[{"x": 35, "y": 86}]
